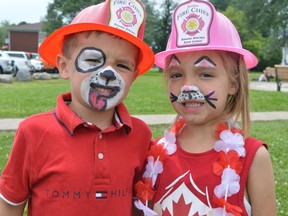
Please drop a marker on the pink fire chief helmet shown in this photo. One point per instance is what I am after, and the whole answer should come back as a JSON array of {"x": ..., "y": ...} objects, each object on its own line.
[
  {"x": 196, "y": 26},
  {"x": 125, "y": 19}
]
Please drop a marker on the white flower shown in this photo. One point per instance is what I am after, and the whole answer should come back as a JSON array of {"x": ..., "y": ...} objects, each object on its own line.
[
  {"x": 169, "y": 140},
  {"x": 229, "y": 183},
  {"x": 221, "y": 212},
  {"x": 229, "y": 141},
  {"x": 153, "y": 169},
  {"x": 147, "y": 211}
]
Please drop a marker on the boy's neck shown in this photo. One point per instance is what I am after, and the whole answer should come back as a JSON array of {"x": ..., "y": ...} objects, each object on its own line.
[{"x": 102, "y": 119}]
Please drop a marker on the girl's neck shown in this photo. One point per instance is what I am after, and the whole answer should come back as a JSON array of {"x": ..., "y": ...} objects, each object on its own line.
[{"x": 197, "y": 139}]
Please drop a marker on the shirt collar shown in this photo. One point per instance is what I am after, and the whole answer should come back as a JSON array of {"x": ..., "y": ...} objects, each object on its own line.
[{"x": 70, "y": 120}]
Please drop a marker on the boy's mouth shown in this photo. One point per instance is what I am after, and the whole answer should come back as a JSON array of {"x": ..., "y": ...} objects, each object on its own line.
[{"x": 104, "y": 91}]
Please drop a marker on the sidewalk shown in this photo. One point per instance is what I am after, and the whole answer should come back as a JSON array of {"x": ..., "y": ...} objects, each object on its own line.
[
  {"x": 268, "y": 86},
  {"x": 12, "y": 124}
]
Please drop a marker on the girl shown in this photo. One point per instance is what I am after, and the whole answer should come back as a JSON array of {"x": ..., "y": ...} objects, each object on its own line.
[{"x": 206, "y": 164}]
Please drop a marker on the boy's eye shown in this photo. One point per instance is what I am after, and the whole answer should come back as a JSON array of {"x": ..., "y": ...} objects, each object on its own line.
[
  {"x": 123, "y": 66},
  {"x": 90, "y": 59}
]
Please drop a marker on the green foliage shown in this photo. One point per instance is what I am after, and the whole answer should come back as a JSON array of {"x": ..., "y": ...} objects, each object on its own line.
[
  {"x": 147, "y": 95},
  {"x": 61, "y": 12}
]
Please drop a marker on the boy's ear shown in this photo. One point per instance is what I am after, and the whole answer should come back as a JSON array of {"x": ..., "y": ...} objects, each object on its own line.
[
  {"x": 62, "y": 66},
  {"x": 135, "y": 74}
]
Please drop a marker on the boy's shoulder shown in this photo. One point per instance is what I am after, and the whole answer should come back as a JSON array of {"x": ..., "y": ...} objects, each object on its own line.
[
  {"x": 139, "y": 124},
  {"x": 44, "y": 119}
]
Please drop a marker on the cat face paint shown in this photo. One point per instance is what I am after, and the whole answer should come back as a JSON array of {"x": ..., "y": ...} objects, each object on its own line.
[
  {"x": 204, "y": 61},
  {"x": 104, "y": 88},
  {"x": 189, "y": 93},
  {"x": 174, "y": 61}
]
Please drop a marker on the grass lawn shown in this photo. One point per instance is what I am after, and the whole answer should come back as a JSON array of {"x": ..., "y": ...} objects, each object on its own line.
[
  {"x": 278, "y": 147},
  {"x": 148, "y": 95}
]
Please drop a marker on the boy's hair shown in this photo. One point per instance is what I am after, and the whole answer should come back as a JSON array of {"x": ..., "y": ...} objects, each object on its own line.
[
  {"x": 108, "y": 16},
  {"x": 238, "y": 104},
  {"x": 70, "y": 41}
]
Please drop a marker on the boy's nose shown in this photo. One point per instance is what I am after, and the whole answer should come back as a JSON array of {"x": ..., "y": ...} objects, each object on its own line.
[{"x": 108, "y": 75}]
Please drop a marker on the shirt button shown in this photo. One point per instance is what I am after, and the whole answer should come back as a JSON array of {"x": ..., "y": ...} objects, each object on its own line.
[
  {"x": 100, "y": 136},
  {"x": 100, "y": 156}
]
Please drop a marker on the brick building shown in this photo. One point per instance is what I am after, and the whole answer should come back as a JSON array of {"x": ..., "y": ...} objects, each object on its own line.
[{"x": 26, "y": 37}]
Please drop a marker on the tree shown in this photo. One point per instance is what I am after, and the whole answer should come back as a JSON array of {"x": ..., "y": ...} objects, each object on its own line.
[
  {"x": 152, "y": 22},
  {"x": 62, "y": 12},
  {"x": 4, "y": 25},
  {"x": 164, "y": 26}
]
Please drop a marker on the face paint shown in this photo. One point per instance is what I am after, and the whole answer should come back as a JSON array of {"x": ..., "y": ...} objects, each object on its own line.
[
  {"x": 174, "y": 61},
  {"x": 204, "y": 61},
  {"x": 193, "y": 93},
  {"x": 89, "y": 59},
  {"x": 103, "y": 89}
]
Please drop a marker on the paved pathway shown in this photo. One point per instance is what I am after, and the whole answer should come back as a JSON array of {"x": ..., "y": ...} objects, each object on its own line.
[{"x": 12, "y": 124}]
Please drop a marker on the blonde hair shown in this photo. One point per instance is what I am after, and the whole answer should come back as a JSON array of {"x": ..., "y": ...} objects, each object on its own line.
[{"x": 237, "y": 106}]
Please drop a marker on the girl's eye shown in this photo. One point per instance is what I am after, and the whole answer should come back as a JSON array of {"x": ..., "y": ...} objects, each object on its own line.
[
  {"x": 206, "y": 75},
  {"x": 175, "y": 75}
]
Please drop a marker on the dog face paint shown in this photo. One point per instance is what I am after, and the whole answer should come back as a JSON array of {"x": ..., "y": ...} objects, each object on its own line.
[
  {"x": 189, "y": 93},
  {"x": 89, "y": 59},
  {"x": 104, "y": 88}
]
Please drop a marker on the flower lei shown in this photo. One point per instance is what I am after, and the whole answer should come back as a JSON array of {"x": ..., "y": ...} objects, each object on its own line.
[{"x": 230, "y": 148}]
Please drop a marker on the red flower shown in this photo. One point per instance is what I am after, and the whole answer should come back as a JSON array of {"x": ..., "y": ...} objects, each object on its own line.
[
  {"x": 223, "y": 127},
  {"x": 144, "y": 190},
  {"x": 177, "y": 126},
  {"x": 236, "y": 210},
  {"x": 224, "y": 160},
  {"x": 158, "y": 151}
]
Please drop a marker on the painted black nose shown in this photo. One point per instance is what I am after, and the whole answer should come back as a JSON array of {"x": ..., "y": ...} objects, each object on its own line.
[{"x": 108, "y": 75}]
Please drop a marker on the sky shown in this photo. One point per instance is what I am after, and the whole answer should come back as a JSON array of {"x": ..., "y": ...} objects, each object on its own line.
[{"x": 16, "y": 11}]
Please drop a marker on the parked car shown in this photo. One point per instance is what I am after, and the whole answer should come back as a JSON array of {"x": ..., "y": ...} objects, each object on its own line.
[
  {"x": 36, "y": 62},
  {"x": 7, "y": 65},
  {"x": 22, "y": 62},
  {"x": 46, "y": 66}
]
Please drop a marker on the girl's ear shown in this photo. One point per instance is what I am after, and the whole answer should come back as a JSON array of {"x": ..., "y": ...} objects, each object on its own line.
[
  {"x": 234, "y": 87},
  {"x": 62, "y": 66}
]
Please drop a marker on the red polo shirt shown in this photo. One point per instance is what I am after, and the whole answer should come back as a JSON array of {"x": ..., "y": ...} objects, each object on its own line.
[{"x": 65, "y": 166}]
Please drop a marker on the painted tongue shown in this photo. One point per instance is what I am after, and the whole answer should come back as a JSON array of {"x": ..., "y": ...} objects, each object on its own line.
[{"x": 97, "y": 101}]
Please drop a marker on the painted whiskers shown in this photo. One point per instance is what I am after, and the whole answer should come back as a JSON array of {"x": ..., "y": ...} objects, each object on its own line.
[
  {"x": 229, "y": 148},
  {"x": 193, "y": 93}
]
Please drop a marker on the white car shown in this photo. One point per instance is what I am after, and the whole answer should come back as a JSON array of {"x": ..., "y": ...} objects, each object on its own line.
[
  {"x": 37, "y": 65},
  {"x": 36, "y": 62},
  {"x": 7, "y": 65},
  {"x": 22, "y": 62}
]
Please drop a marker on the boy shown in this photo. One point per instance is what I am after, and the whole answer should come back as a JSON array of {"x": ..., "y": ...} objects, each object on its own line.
[{"x": 83, "y": 157}]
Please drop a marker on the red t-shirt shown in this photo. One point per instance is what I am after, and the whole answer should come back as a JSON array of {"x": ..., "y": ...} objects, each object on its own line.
[
  {"x": 65, "y": 166},
  {"x": 186, "y": 186}
]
